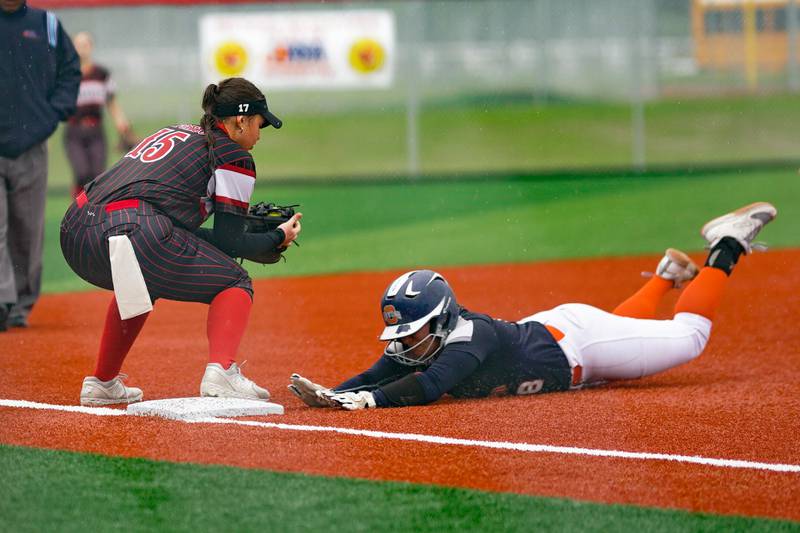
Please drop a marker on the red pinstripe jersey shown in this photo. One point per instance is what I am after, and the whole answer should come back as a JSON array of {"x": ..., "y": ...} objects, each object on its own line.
[{"x": 170, "y": 170}]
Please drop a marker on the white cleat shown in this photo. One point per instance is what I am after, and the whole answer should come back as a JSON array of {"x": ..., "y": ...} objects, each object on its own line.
[
  {"x": 676, "y": 267},
  {"x": 220, "y": 383},
  {"x": 96, "y": 393},
  {"x": 742, "y": 224}
]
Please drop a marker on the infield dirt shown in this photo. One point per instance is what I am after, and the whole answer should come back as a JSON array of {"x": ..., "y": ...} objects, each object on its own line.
[{"x": 739, "y": 400}]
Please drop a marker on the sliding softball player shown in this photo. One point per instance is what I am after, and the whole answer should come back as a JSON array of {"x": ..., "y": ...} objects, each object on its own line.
[{"x": 436, "y": 347}]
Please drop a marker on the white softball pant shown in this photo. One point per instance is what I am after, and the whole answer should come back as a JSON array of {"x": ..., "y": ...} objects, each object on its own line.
[{"x": 610, "y": 347}]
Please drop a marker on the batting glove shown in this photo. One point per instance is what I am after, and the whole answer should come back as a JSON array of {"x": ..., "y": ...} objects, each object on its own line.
[
  {"x": 351, "y": 401},
  {"x": 306, "y": 390}
]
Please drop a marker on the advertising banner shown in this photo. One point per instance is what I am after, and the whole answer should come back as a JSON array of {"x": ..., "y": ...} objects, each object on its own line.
[{"x": 297, "y": 50}]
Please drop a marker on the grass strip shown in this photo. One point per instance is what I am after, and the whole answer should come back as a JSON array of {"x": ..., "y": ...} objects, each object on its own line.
[
  {"x": 44, "y": 490},
  {"x": 358, "y": 227},
  {"x": 497, "y": 135}
]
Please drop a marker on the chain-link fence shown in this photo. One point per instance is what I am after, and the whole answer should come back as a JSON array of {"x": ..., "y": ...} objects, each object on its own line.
[{"x": 502, "y": 85}]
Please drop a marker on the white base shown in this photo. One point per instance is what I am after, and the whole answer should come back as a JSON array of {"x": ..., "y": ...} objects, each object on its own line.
[{"x": 192, "y": 408}]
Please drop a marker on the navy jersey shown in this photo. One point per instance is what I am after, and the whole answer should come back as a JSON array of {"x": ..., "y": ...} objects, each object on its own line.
[
  {"x": 481, "y": 356},
  {"x": 171, "y": 171},
  {"x": 39, "y": 77}
]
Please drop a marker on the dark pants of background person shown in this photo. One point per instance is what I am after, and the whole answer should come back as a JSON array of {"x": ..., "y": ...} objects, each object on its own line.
[
  {"x": 23, "y": 186},
  {"x": 86, "y": 150}
]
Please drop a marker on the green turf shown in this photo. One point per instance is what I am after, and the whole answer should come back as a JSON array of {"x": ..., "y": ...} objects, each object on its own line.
[
  {"x": 480, "y": 135},
  {"x": 401, "y": 223},
  {"x": 352, "y": 227},
  {"x": 53, "y": 490}
]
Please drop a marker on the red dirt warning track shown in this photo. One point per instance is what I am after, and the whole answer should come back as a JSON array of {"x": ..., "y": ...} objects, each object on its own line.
[{"x": 739, "y": 400}]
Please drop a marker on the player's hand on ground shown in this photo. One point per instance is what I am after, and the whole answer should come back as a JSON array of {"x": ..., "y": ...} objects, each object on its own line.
[
  {"x": 306, "y": 390},
  {"x": 291, "y": 229},
  {"x": 352, "y": 401}
]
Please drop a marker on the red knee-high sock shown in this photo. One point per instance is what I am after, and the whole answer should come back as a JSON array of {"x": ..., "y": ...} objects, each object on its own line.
[
  {"x": 703, "y": 295},
  {"x": 118, "y": 336},
  {"x": 227, "y": 320},
  {"x": 644, "y": 302}
]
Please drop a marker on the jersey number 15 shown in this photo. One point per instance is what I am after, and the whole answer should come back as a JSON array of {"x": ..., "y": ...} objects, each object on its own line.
[{"x": 157, "y": 145}]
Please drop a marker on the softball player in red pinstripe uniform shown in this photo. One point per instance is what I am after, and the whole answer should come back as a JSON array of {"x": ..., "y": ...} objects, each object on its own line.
[{"x": 135, "y": 229}]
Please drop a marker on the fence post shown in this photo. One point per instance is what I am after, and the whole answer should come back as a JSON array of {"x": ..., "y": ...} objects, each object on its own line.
[
  {"x": 638, "y": 127},
  {"x": 413, "y": 78},
  {"x": 541, "y": 82},
  {"x": 791, "y": 43}
]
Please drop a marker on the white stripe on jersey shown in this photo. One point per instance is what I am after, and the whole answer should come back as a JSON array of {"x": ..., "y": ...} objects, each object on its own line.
[
  {"x": 233, "y": 185},
  {"x": 461, "y": 333},
  {"x": 92, "y": 92}
]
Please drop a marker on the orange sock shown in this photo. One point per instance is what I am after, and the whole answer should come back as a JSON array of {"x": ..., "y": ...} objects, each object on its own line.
[
  {"x": 703, "y": 295},
  {"x": 644, "y": 302},
  {"x": 227, "y": 320}
]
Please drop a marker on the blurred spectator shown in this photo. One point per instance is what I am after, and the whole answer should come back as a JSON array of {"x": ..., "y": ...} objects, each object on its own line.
[
  {"x": 39, "y": 77},
  {"x": 85, "y": 139}
]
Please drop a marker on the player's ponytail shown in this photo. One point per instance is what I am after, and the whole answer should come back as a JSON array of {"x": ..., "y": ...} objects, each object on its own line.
[
  {"x": 229, "y": 91},
  {"x": 209, "y": 120}
]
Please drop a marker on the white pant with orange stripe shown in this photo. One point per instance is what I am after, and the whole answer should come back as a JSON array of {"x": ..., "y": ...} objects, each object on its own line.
[{"x": 610, "y": 347}]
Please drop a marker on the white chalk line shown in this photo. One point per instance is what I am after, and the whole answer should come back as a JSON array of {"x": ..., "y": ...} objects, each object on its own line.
[{"x": 434, "y": 439}]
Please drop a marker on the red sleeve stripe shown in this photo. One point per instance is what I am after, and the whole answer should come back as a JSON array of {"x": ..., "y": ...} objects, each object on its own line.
[
  {"x": 231, "y": 201},
  {"x": 240, "y": 170}
]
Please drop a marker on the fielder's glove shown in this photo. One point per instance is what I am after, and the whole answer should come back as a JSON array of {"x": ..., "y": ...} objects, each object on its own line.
[
  {"x": 263, "y": 217},
  {"x": 352, "y": 401},
  {"x": 306, "y": 390}
]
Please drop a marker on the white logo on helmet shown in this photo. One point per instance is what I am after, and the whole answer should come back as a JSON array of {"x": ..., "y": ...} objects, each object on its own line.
[
  {"x": 410, "y": 292},
  {"x": 394, "y": 288}
]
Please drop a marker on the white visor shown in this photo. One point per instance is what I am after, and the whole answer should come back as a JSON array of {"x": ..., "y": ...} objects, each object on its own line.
[{"x": 391, "y": 332}]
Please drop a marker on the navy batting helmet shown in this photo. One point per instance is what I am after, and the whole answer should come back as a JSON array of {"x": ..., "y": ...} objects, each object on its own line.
[{"x": 417, "y": 299}]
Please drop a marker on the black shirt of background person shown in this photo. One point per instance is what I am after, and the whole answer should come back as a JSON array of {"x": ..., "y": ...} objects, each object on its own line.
[{"x": 38, "y": 82}]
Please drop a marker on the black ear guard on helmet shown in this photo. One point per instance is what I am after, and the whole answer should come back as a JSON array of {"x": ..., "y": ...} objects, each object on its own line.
[{"x": 255, "y": 107}]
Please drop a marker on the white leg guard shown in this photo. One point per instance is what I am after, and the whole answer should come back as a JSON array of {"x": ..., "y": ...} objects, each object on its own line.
[
  {"x": 129, "y": 285},
  {"x": 610, "y": 347}
]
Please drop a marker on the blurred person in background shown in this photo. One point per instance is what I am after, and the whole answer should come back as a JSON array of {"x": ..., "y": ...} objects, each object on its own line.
[
  {"x": 85, "y": 138},
  {"x": 39, "y": 78}
]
